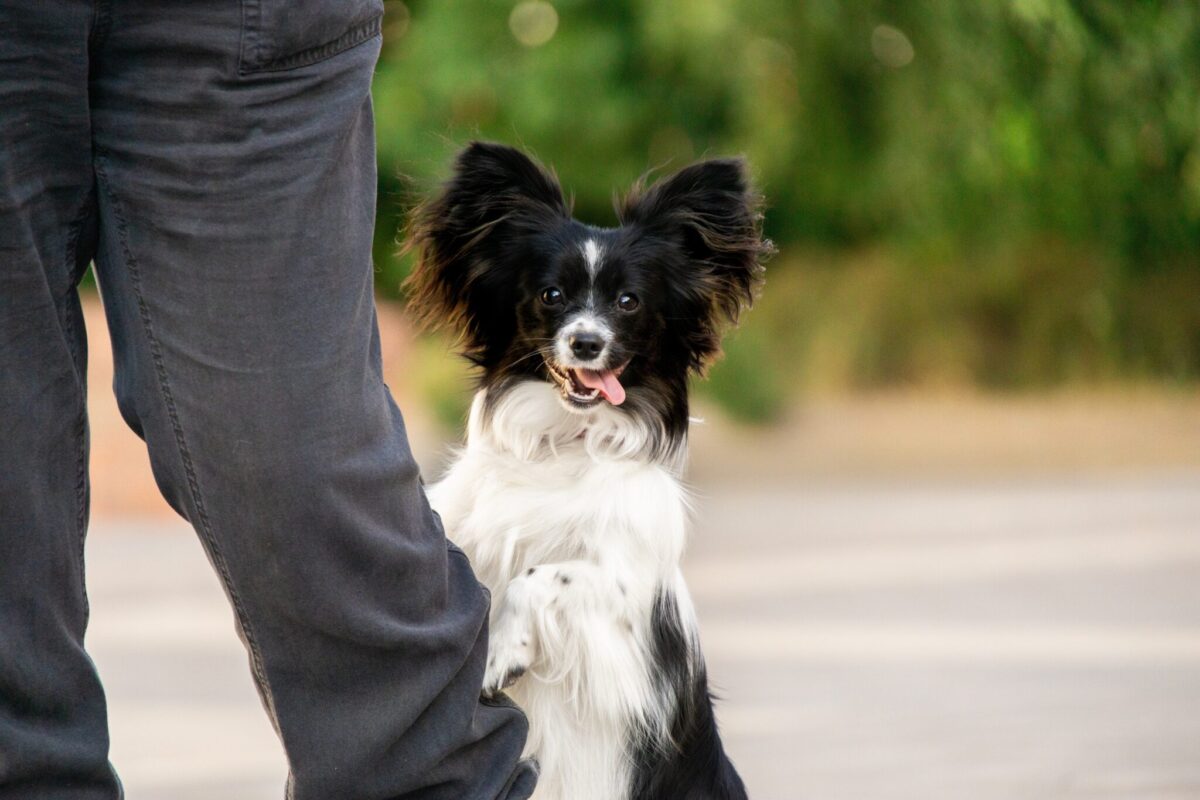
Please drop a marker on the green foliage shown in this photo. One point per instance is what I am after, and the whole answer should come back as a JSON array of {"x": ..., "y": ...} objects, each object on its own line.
[
  {"x": 1042, "y": 317},
  {"x": 1026, "y": 173},
  {"x": 746, "y": 382},
  {"x": 440, "y": 381}
]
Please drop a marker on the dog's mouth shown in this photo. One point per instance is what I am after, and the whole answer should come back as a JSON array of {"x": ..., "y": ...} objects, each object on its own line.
[{"x": 586, "y": 387}]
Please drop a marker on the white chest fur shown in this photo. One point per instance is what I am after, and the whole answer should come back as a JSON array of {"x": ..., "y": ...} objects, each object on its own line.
[{"x": 538, "y": 486}]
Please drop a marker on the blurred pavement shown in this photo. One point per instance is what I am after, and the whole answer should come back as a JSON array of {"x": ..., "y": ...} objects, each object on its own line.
[
  {"x": 942, "y": 638},
  {"x": 901, "y": 597}
]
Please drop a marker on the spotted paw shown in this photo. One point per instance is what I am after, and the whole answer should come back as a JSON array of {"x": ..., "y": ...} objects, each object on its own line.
[{"x": 510, "y": 654}]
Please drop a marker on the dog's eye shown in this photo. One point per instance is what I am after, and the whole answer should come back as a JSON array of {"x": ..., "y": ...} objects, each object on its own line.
[
  {"x": 552, "y": 296},
  {"x": 628, "y": 302}
]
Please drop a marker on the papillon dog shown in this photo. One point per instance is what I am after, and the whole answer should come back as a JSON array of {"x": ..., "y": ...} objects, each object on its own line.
[{"x": 567, "y": 495}]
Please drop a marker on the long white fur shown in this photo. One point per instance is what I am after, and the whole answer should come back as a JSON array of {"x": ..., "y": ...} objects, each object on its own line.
[{"x": 579, "y": 498}]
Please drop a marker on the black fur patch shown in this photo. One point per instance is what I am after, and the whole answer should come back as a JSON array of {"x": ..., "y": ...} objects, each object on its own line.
[{"x": 693, "y": 765}]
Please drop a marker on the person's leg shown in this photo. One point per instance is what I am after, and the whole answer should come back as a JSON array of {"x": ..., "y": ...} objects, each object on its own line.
[
  {"x": 236, "y": 212},
  {"x": 53, "y": 733}
]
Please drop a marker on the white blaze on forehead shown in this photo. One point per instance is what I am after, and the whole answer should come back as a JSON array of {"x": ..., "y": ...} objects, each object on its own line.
[{"x": 591, "y": 256}]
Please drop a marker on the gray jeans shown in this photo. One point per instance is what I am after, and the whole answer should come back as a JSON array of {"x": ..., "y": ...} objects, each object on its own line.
[{"x": 215, "y": 159}]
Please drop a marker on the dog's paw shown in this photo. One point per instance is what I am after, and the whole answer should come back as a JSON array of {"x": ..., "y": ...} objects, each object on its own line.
[{"x": 510, "y": 654}]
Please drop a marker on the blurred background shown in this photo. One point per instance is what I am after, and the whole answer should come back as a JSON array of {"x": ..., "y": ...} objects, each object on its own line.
[
  {"x": 1001, "y": 195},
  {"x": 947, "y": 537}
]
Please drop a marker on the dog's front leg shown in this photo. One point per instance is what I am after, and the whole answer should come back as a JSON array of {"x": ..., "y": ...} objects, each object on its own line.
[
  {"x": 548, "y": 614},
  {"x": 512, "y": 646}
]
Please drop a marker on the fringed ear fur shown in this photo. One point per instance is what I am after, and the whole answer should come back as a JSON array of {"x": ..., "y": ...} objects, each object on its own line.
[
  {"x": 711, "y": 211},
  {"x": 465, "y": 239}
]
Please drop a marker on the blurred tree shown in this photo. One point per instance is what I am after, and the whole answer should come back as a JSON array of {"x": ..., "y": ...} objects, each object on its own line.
[{"x": 967, "y": 140}]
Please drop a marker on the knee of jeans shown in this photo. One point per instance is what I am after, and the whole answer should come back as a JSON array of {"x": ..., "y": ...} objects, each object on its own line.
[{"x": 273, "y": 454}]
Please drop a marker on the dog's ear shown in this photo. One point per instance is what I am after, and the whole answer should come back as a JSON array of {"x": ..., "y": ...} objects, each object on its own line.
[
  {"x": 711, "y": 213},
  {"x": 469, "y": 240}
]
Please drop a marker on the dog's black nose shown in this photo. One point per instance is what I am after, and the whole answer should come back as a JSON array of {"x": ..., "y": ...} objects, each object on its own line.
[{"x": 585, "y": 346}]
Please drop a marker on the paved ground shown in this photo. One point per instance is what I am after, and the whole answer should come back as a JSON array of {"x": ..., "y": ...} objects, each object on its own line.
[{"x": 940, "y": 639}]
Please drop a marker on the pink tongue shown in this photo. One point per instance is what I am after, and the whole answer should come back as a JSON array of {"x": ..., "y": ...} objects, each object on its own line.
[{"x": 606, "y": 382}]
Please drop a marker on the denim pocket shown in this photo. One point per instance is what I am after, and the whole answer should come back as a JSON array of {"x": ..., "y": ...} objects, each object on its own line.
[{"x": 285, "y": 34}]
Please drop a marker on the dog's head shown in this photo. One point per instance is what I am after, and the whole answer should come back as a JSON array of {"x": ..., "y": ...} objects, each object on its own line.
[{"x": 615, "y": 316}]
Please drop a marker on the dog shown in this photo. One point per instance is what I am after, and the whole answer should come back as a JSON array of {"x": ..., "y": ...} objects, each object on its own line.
[{"x": 568, "y": 496}]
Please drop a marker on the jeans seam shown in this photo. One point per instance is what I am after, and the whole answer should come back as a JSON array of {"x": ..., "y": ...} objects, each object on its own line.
[
  {"x": 101, "y": 22},
  {"x": 250, "y": 44},
  {"x": 72, "y": 258},
  {"x": 311, "y": 55},
  {"x": 164, "y": 387}
]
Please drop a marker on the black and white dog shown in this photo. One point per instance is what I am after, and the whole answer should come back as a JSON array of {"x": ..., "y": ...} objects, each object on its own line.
[{"x": 567, "y": 495}]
